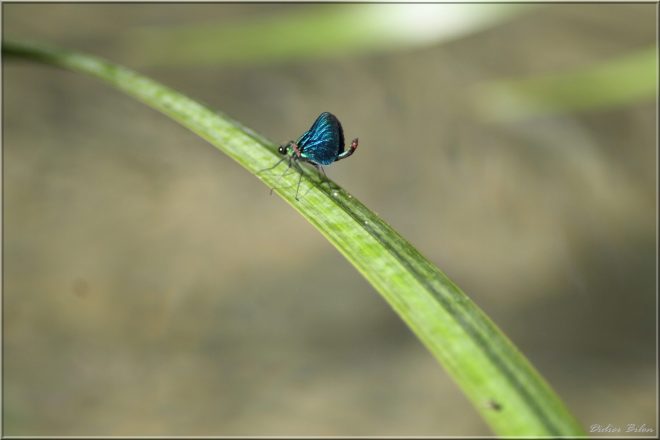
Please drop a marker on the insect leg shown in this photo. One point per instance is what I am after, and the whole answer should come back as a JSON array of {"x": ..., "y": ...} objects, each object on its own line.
[
  {"x": 322, "y": 172},
  {"x": 283, "y": 174},
  {"x": 300, "y": 170},
  {"x": 276, "y": 164},
  {"x": 322, "y": 176}
]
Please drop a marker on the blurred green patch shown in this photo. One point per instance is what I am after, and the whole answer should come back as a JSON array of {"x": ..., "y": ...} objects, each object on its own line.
[
  {"x": 313, "y": 31},
  {"x": 624, "y": 80}
]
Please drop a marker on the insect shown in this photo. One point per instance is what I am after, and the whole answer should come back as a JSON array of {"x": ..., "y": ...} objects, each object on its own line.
[{"x": 321, "y": 145}]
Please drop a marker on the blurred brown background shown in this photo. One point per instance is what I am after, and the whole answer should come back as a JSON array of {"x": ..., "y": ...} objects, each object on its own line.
[{"x": 153, "y": 287}]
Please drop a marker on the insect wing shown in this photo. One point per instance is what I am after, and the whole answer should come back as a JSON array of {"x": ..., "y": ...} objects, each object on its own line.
[{"x": 324, "y": 141}]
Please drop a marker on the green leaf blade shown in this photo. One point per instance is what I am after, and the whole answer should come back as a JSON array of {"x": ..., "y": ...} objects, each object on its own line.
[{"x": 505, "y": 389}]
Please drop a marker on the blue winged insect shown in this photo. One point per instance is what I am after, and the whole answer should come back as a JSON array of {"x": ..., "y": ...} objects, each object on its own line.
[{"x": 321, "y": 145}]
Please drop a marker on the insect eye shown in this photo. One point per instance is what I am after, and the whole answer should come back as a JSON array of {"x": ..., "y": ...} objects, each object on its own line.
[{"x": 282, "y": 149}]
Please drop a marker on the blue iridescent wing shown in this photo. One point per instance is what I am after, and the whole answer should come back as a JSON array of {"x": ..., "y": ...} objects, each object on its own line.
[{"x": 324, "y": 141}]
